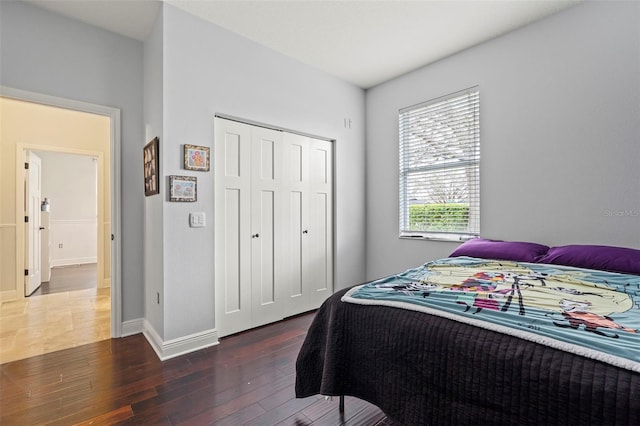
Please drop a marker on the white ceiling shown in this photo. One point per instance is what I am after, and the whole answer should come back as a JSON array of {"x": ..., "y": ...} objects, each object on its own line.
[{"x": 364, "y": 42}]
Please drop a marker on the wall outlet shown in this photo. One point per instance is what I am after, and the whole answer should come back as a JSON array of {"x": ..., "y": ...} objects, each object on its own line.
[{"x": 60, "y": 245}]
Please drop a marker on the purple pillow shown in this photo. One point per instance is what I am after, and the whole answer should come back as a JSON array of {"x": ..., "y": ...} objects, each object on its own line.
[
  {"x": 502, "y": 250},
  {"x": 604, "y": 258}
]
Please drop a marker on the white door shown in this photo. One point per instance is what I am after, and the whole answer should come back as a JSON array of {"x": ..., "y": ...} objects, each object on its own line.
[
  {"x": 232, "y": 238},
  {"x": 33, "y": 196},
  {"x": 267, "y": 293},
  {"x": 309, "y": 220},
  {"x": 273, "y": 225},
  {"x": 319, "y": 263},
  {"x": 296, "y": 152}
]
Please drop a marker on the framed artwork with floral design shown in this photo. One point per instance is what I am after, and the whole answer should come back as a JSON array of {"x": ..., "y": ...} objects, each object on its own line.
[
  {"x": 196, "y": 158},
  {"x": 183, "y": 188}
]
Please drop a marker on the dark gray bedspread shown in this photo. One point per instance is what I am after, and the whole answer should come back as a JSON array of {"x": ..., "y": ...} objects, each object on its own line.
[{"x": 426, "y": 370}]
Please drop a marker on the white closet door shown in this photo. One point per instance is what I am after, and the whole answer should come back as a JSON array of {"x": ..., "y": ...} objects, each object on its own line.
[
  {"x": 308, "y": 215},
  {"x": 273, "y": 225},
  {"x": 319, "y": 263},
  {"x": 296, "y": 158},
  {"x": 266, "y": 226},
  {"x": 232, "y": 157}
]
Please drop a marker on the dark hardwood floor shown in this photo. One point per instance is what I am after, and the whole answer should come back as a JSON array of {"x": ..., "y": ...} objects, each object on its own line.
[
  {"x": 69, "y": 278},
  {"x": 248, "y": 379}
]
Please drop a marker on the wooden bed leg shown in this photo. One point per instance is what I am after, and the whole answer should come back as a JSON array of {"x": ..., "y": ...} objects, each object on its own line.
[{"x": 341, "y": 403}]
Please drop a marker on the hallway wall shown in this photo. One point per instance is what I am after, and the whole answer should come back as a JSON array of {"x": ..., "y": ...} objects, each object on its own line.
[{"x": 69, "y": 181}]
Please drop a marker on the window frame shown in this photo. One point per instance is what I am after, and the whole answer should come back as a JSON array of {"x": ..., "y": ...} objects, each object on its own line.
[{"x": 469, "y": 160}]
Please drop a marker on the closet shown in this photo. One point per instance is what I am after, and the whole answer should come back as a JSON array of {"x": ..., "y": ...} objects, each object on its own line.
[{"x": 273, "y": 224}]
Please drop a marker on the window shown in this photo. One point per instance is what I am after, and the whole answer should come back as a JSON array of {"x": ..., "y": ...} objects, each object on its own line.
[{"x": 440, "y": 167}]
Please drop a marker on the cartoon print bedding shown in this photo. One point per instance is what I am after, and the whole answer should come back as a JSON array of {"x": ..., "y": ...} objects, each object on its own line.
[{"x": 591, "y": 313}]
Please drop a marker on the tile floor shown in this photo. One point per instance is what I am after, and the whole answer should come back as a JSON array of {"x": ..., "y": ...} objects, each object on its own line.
[{"x": 51, "y": 322}]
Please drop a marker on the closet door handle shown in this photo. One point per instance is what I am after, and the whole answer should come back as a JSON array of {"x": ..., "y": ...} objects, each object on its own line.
[
  {"x": 255, "y": 236},
  {"x": 306, "y": 231}
]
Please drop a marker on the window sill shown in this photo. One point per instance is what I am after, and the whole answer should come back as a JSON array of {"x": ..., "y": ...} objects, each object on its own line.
[{"x": 436, "y": 237}]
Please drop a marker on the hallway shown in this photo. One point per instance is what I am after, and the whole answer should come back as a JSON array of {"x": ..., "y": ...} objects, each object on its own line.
[
  {"x": 52, "y": 322},
  {"x": 69, "y": 278}
]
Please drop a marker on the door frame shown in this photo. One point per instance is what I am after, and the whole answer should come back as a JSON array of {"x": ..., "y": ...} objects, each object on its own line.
[
  {"x": 99, "y": 157},
  {"x": 114, "y": 115}
]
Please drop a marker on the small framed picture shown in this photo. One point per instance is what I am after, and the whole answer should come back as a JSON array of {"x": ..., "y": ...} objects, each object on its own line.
[
  {"x": 151, "y": 163},
  {"x": 183, "y": 188},
  {"x": 196, "y": 158}
]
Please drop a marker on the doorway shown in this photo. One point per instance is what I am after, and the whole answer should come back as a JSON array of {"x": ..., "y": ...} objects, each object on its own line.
[
  {"x": 59, "y": 138},
  {"x": 67, "y": 207},
  {"x": 33, "y": 228}
]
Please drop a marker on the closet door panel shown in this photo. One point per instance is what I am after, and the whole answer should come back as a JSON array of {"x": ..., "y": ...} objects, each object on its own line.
[
  {"x": 309, "y": 214},
  {"x": 266, "y": 226},
  {"x": 296, "y": 163},
  {"x": 320, "y": 170},
  {"x": 320, "y": 259},
  {"x": 232, "y": 266},
  {"x": 263, "y": 249},
  {"x": 232, "y": 227},
  {"x": 319, "y": 275},
  {"x": 295, "y": 159},
  {"x": 296, "y": 215},
  {"x": 231, "y": 154},
  {"x": 294, "y": 258}
]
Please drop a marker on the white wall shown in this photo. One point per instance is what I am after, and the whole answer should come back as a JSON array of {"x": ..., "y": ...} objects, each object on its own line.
[
  {"x": 46, "y": 53},
  {"x": 209, "y": 70},
  {"x": 560, "y": 132},
  {"x": 69, "y": 182}
]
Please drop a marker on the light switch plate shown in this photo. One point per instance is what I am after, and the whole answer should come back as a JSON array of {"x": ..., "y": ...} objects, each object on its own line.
[{"x": 197, "y": 220}]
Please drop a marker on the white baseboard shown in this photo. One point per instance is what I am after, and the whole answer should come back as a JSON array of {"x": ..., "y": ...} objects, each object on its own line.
[
  {"x": 180, "y": 346},
  {"x": 129, "y": 328},
  {"x": 171, "y": 348},
  {"x": 73, "y": 261}
]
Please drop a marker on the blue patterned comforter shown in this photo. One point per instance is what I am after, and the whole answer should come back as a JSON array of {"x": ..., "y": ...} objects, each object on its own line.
[{"x": 588, "y": 312}]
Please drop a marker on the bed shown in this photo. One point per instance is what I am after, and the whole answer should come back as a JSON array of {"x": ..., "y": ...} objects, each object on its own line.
[{"x": 429, "y": 347}]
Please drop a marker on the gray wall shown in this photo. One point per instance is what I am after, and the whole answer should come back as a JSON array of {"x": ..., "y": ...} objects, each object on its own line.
[
  {"x": 153, "y": 217},
  {"x": 560, "y": 135},
  {"x": 46, "y": 53},
  {"x": 210, "y": 70}
]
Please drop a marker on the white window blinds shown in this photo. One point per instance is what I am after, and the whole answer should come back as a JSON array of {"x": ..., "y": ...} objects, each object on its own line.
[{"x": 440, "y": 167}]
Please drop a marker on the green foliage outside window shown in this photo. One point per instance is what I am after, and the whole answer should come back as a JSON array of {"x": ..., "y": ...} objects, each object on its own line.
[{"x": 450, "y": 217}]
